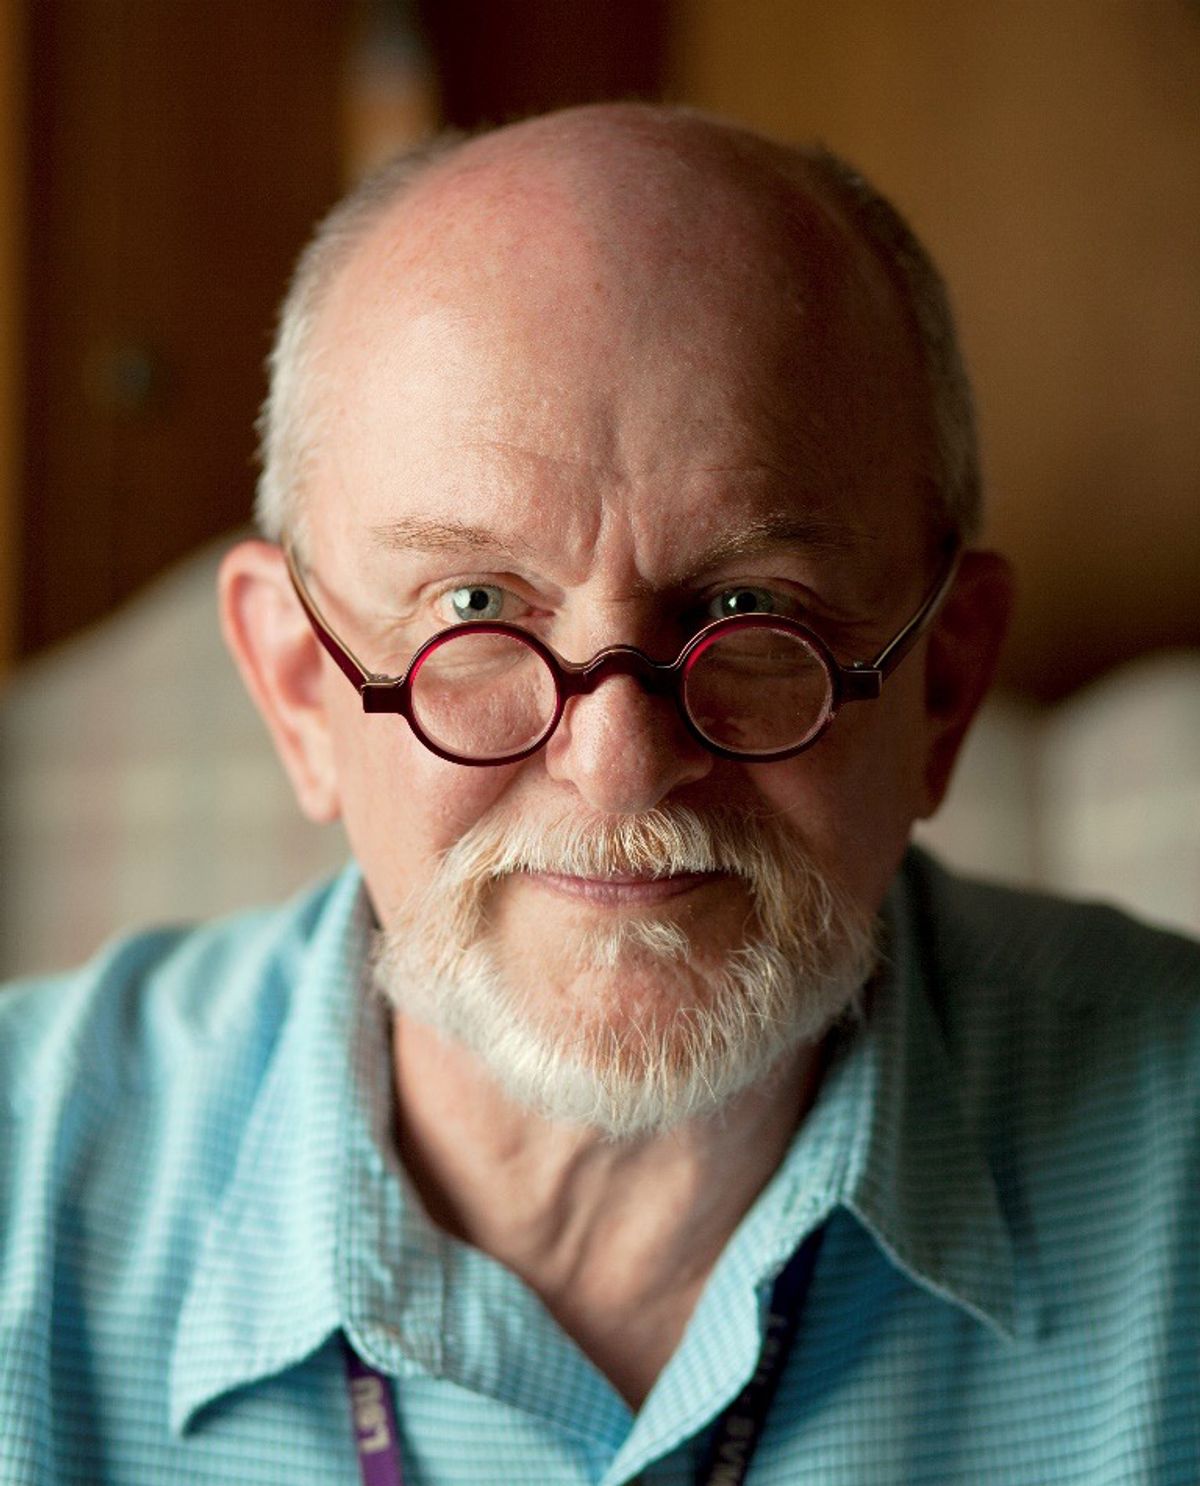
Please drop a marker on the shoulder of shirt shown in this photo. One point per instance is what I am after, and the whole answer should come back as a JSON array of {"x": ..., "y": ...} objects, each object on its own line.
[
  {"x": 148, "y": 1001},
  {"x": 1059, "y": 952},
  {"x": 1039, "y": 999}
]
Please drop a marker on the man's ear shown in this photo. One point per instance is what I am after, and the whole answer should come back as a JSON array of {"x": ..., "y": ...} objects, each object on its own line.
[
  {"x": 280, "y": 661},
  {"x": 964, "y": 647}
]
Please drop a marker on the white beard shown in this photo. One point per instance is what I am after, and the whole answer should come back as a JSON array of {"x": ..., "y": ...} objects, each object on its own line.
[{"x": 705, "y": 1035}]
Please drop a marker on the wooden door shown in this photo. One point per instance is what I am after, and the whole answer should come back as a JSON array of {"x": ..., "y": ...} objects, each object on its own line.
[{"x": 178, "y": 152}]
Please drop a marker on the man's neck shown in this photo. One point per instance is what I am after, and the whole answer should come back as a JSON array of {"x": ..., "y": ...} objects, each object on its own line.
[{"x": 617, "y": 1238}]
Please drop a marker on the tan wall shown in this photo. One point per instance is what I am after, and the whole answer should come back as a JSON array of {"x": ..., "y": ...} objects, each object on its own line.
[{"x": 1049, "y": 153}]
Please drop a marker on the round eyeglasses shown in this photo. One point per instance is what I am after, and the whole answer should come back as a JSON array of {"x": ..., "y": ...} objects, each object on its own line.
[{"x": 755, "y": 687}]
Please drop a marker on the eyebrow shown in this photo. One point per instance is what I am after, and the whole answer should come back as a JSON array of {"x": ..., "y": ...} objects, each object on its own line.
[
  {"x": 412, "y": 534},
  {"x": 815, "y": 534},
  {"x": 811, "y": 533}
]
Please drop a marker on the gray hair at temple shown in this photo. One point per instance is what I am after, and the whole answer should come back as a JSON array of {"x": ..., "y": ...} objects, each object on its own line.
[{"x": 288, "y": 425}]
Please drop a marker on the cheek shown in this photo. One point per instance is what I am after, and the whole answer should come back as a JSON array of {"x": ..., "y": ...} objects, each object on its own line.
[
  {"x": 402, "y": 806},
  {"x": 853, "y": 797}
]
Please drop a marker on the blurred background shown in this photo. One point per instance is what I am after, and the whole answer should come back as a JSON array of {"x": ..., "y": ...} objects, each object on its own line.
[{"x": 161, "y": 162}]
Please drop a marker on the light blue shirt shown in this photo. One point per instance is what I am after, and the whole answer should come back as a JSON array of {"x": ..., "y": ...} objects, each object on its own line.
[{"x": 198, "y": 1194}]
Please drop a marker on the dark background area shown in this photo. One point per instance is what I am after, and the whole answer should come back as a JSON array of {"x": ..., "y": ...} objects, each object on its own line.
[{"x": 162, "y": 161}]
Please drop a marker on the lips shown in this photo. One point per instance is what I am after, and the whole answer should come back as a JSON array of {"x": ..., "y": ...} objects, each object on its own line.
[{"x": 622, "y": 889}]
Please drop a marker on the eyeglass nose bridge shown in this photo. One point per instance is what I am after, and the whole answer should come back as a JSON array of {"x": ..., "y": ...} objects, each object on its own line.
[{"x": 657, "y": 678}]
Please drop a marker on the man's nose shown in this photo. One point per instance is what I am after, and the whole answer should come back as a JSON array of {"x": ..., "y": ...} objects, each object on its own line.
[{"x": 624, "y": 749}]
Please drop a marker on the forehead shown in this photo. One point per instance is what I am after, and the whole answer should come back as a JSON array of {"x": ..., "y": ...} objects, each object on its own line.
[{"x": 559, "y": 347}]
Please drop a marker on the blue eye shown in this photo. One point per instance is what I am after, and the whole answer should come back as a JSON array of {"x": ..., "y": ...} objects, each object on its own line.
[
  {"x": 734, "y": 601},
  {"x": 477, "y": 601}
]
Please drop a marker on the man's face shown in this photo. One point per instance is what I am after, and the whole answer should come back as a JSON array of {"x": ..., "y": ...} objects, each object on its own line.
[{"x": 597, "y": 429}]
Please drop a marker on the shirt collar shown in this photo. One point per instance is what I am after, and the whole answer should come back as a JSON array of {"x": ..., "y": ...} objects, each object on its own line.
[
  {"x": 264, "y": 1290},
  {"x": 336, "y": 1241},
  {"x": 889, "y": 1140},
  {"x": 917, "y": 1176}
]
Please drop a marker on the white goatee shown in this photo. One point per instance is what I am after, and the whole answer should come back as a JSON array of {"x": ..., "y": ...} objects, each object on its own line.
[{"x": 716, "y": 1030}]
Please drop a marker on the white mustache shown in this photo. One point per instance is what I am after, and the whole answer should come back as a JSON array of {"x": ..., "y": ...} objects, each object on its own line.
[
  {"x": 660, "y": 843},
  {"x": 777, "y": 870}
]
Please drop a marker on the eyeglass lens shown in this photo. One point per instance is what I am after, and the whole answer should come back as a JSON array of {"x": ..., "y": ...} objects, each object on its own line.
[
  {"x": 483, "y": 696},
  {"x": 487, "y": 696},
  {"x": 757, "y": 690}
]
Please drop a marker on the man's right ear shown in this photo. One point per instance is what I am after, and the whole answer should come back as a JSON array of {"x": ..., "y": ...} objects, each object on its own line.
[{"x": 280, "y": 660}]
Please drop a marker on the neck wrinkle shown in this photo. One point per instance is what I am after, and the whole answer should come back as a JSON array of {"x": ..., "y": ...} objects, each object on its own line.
[{"x": 569, "y": 1210}]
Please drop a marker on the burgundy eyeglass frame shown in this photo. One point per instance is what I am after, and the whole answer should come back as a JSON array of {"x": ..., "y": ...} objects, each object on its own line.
[{"x": 860, "y": 681}]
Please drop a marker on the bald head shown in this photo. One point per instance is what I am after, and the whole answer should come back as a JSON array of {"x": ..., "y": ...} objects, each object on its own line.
[{"x": 652, "y": 232}]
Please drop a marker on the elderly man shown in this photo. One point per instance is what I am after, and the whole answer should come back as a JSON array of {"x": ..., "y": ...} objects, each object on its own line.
[{"x": 635, "y": 1108}]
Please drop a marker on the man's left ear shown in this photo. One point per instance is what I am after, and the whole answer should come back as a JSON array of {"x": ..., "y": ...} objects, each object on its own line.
[{"x": 961, "y": 655}]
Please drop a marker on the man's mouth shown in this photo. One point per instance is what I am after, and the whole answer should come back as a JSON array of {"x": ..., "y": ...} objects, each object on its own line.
[{"x": 617, "y": 889}]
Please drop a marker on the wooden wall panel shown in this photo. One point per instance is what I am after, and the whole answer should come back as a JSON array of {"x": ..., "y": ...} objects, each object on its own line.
[
  {"x": 12, "y": 143},
  {"x": 178, "y": 155},
  {"x": 499, "y": 60}
]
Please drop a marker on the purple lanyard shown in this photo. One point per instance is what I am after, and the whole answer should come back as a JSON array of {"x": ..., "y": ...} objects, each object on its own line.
[
  {"x": 738, "y": 1430},
  {"x": 374, "y": 1415}
]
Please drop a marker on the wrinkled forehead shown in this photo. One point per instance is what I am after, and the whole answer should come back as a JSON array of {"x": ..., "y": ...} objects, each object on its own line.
[{"x": 584, "y": 296}]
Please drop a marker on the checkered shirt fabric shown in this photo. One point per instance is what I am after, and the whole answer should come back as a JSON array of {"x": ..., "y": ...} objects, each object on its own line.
[{"x": 198, "y": 1196}]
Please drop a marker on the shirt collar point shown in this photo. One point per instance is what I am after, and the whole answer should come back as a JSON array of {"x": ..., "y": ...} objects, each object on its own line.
[{"x": 201, "y": 1374}]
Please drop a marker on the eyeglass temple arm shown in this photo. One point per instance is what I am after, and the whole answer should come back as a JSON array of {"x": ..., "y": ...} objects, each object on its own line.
[
  {"x": 863, "y": 680},
  {"x": 342, "y": 656}
]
